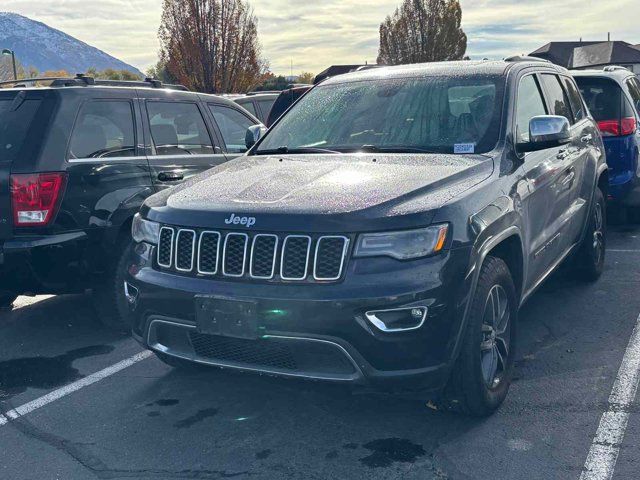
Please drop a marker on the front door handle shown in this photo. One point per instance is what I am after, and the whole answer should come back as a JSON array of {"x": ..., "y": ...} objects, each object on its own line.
[
  {"x": 587, "y": 138},
  {"x": 170, "y": 176},
  {"x": 567, "y": 181}
]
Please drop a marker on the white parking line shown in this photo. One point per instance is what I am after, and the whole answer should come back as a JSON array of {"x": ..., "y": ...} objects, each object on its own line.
[
  {"x": 72, "y": 387},
  {"x": 605, "y": 448}
]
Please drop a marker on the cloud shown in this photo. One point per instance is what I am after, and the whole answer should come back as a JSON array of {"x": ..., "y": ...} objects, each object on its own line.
[{"x": 314, "y": 36}]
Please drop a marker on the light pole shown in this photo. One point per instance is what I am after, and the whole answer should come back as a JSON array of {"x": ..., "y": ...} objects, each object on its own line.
[{"x": 6, "y": 51}]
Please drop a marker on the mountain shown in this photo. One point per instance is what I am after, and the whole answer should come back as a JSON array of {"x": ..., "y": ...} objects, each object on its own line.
[{"x": 45, "y": 48}]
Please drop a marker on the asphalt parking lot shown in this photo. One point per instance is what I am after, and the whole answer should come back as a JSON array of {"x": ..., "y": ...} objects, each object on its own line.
[{"x": 141, "y": 419}]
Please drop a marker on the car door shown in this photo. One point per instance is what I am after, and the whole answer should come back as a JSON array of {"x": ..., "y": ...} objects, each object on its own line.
[
  {"x": 548, "y": 223},
  {"x": 232, "y": 123},
  {"x": 108, "y": 173},
  {"x": 584, "y": 157},
  {"x": 178, "y": 141}
]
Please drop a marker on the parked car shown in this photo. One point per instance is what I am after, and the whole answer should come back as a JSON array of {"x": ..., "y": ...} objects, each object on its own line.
[
  {"x": 286, "y": 98},
  {"x": 385, "y": 231},
  {"x": 258, "y": 103},
  {"x": 613, "y": 97},
  {"x": 78, "y": 158}
]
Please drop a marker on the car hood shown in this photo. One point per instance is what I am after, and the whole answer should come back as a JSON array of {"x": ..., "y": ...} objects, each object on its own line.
[{"x": 320, "y": 192}]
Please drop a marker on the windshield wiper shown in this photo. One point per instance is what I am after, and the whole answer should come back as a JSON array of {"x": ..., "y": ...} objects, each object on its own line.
[
  {"x": 285, "y": 149},
  {"x": 399, "y": 149}
]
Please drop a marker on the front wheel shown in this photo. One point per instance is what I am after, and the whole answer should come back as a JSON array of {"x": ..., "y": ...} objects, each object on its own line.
[
  {"x": 482, "y": 374},
  {"x": 589, "y": 260}
]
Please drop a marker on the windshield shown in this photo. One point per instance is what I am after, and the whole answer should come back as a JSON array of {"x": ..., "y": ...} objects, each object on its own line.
[{"x": 433, "y": 114}]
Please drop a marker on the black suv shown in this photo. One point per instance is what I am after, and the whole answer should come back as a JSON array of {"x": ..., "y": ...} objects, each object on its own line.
[
  {"x": 385, "y": 231},
  {"x": 77, "y": 159}
]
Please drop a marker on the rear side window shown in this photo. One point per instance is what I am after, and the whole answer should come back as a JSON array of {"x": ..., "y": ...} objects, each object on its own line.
[
  {"x": 604, "y": 98},
  {"x": 634, "y": 89},
  {"x": 15, "y": 120},
  {"x": 249, "y": 107},
  {"x": 104, "y": 129},
  {"x": 557, "y": 97},
  {"x": 233, "y": 125},
  {"x": 529, "y": 105},
  {"x": 577, "y": 105},
  {"x": 178, "y": 129}
]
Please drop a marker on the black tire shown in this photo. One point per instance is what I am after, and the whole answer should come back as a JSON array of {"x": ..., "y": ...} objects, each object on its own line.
[
  {"x": 6, "y": 300},
  {"x": 474, "y": 388},
  {"x": 588, "y": 262},
  {"x": 110, "y": 302}
]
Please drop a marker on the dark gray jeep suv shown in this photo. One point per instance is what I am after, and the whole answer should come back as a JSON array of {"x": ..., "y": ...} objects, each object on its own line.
[{"x": 385, "y": 231}]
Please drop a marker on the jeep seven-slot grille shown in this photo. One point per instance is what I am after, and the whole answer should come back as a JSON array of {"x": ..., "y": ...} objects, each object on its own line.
[{"x": 258, "y": 256}]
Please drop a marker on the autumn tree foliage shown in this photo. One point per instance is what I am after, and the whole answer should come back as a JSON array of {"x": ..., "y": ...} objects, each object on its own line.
[
  {"x": 422, "y": 31},
  {"x": 211, "y": 45}
]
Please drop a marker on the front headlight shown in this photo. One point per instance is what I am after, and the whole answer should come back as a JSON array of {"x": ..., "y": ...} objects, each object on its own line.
[
  {"x": 145, "y": 230},
  {"x": 403, "y": 245}
]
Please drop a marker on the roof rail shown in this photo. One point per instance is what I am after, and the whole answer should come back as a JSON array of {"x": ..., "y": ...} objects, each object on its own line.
[
  {"x": 525, "y": 58},
  {"x": 82, "y": 80},
  {"x": 260, "y": 92},
  {"x": 613, "y": 68}
]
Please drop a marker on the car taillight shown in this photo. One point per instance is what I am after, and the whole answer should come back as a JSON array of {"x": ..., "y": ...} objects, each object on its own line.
[
  {"x": 617, "y": 128},
  {"x": 35, "y": 197}
]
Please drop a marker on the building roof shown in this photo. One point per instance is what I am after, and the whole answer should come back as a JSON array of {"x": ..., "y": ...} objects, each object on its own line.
[
  {"x": 560, "y": 53},
  {"x": 605, "y": 53}
]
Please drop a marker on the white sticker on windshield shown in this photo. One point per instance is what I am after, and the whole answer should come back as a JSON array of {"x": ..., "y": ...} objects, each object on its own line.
[{"x": 464, "y": 148}]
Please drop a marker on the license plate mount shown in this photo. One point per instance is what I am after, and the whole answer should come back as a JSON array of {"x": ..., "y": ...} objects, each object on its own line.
[{"x": 226, "y": 317}]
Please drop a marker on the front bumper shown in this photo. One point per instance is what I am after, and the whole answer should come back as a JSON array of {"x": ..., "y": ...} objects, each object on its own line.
[{"x": 317, "y": 331}]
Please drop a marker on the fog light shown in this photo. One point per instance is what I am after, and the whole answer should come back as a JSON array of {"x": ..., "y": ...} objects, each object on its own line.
[{"x": 397, "y": 319}]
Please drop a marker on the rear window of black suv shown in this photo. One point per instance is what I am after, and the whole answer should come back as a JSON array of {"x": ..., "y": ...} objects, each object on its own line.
[
  {"x": 457, "y": 114},
  {"x": 16, "y": 117}
]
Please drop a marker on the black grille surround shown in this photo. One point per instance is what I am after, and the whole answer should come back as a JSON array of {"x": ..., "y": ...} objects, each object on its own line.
[{"x": 255, "y": 256}]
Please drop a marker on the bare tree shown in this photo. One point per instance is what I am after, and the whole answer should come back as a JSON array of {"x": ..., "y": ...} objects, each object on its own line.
[
  {"x": 211, "y": 45},
  {"x": 422, "y": 31}
]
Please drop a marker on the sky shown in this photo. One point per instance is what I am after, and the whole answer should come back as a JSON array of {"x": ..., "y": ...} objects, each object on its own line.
[{"x": 298, "y": 35}]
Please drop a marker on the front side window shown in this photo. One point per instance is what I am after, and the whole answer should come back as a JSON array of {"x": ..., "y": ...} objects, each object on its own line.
[
  {"x": 233, "y": 126},
  {"x": 530, "y": 104},
  {"x": 557, "y": 97},
  {"x": 432, "y": 114},
  {"x": 104, "y": 128},
  {"x": 178, "y": 129}
]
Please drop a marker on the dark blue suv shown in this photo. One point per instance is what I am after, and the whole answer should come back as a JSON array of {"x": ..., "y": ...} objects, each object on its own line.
[{"x": 613, "y": 96}]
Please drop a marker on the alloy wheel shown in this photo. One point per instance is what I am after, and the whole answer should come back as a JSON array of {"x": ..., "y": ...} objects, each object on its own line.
[{"x": 495, "y": 345}]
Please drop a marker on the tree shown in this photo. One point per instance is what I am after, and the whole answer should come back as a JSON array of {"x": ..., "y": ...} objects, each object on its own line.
[
  {"x": 306, "y": 77},
  {"x": 422, "y": 31},
  {"x": 211, "y": 45},
  {"x": 160, "y": 72}
]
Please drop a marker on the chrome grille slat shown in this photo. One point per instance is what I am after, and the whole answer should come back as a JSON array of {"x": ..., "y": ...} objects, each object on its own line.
[
  {"x": 263, "y": 257},
  {"x": 181, "y": 250},
  {"x": 163, "y": 243},
  {"x": 208, "y": 252},
  {"x": 297, "y": 252},
  {"x": 230, "y": 254},
  {"x": 258, "y": 256},
  {"x": 332, "y": 249}
]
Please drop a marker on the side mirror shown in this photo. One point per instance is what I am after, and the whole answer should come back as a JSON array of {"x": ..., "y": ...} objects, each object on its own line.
[
  {"x": 254, "y": 133},
  {"x": 546, "y": 131}
]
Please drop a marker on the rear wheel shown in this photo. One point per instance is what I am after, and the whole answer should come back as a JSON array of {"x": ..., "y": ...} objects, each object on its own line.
[
  {"x": 110, "y": 302},
  {"x": 589, "y": 260},
  {"x": 482, "y": 374}
]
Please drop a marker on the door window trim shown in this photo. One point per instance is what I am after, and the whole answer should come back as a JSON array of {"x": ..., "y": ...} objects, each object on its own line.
[
  {"x": 137, "y": 149},
  {"x": 152, "y": 145}
]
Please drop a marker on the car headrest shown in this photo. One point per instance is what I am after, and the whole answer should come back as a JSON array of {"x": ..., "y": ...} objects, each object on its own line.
[
  {"x": 164, "y": 134},
  {"x": 88, "y": 141}
]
